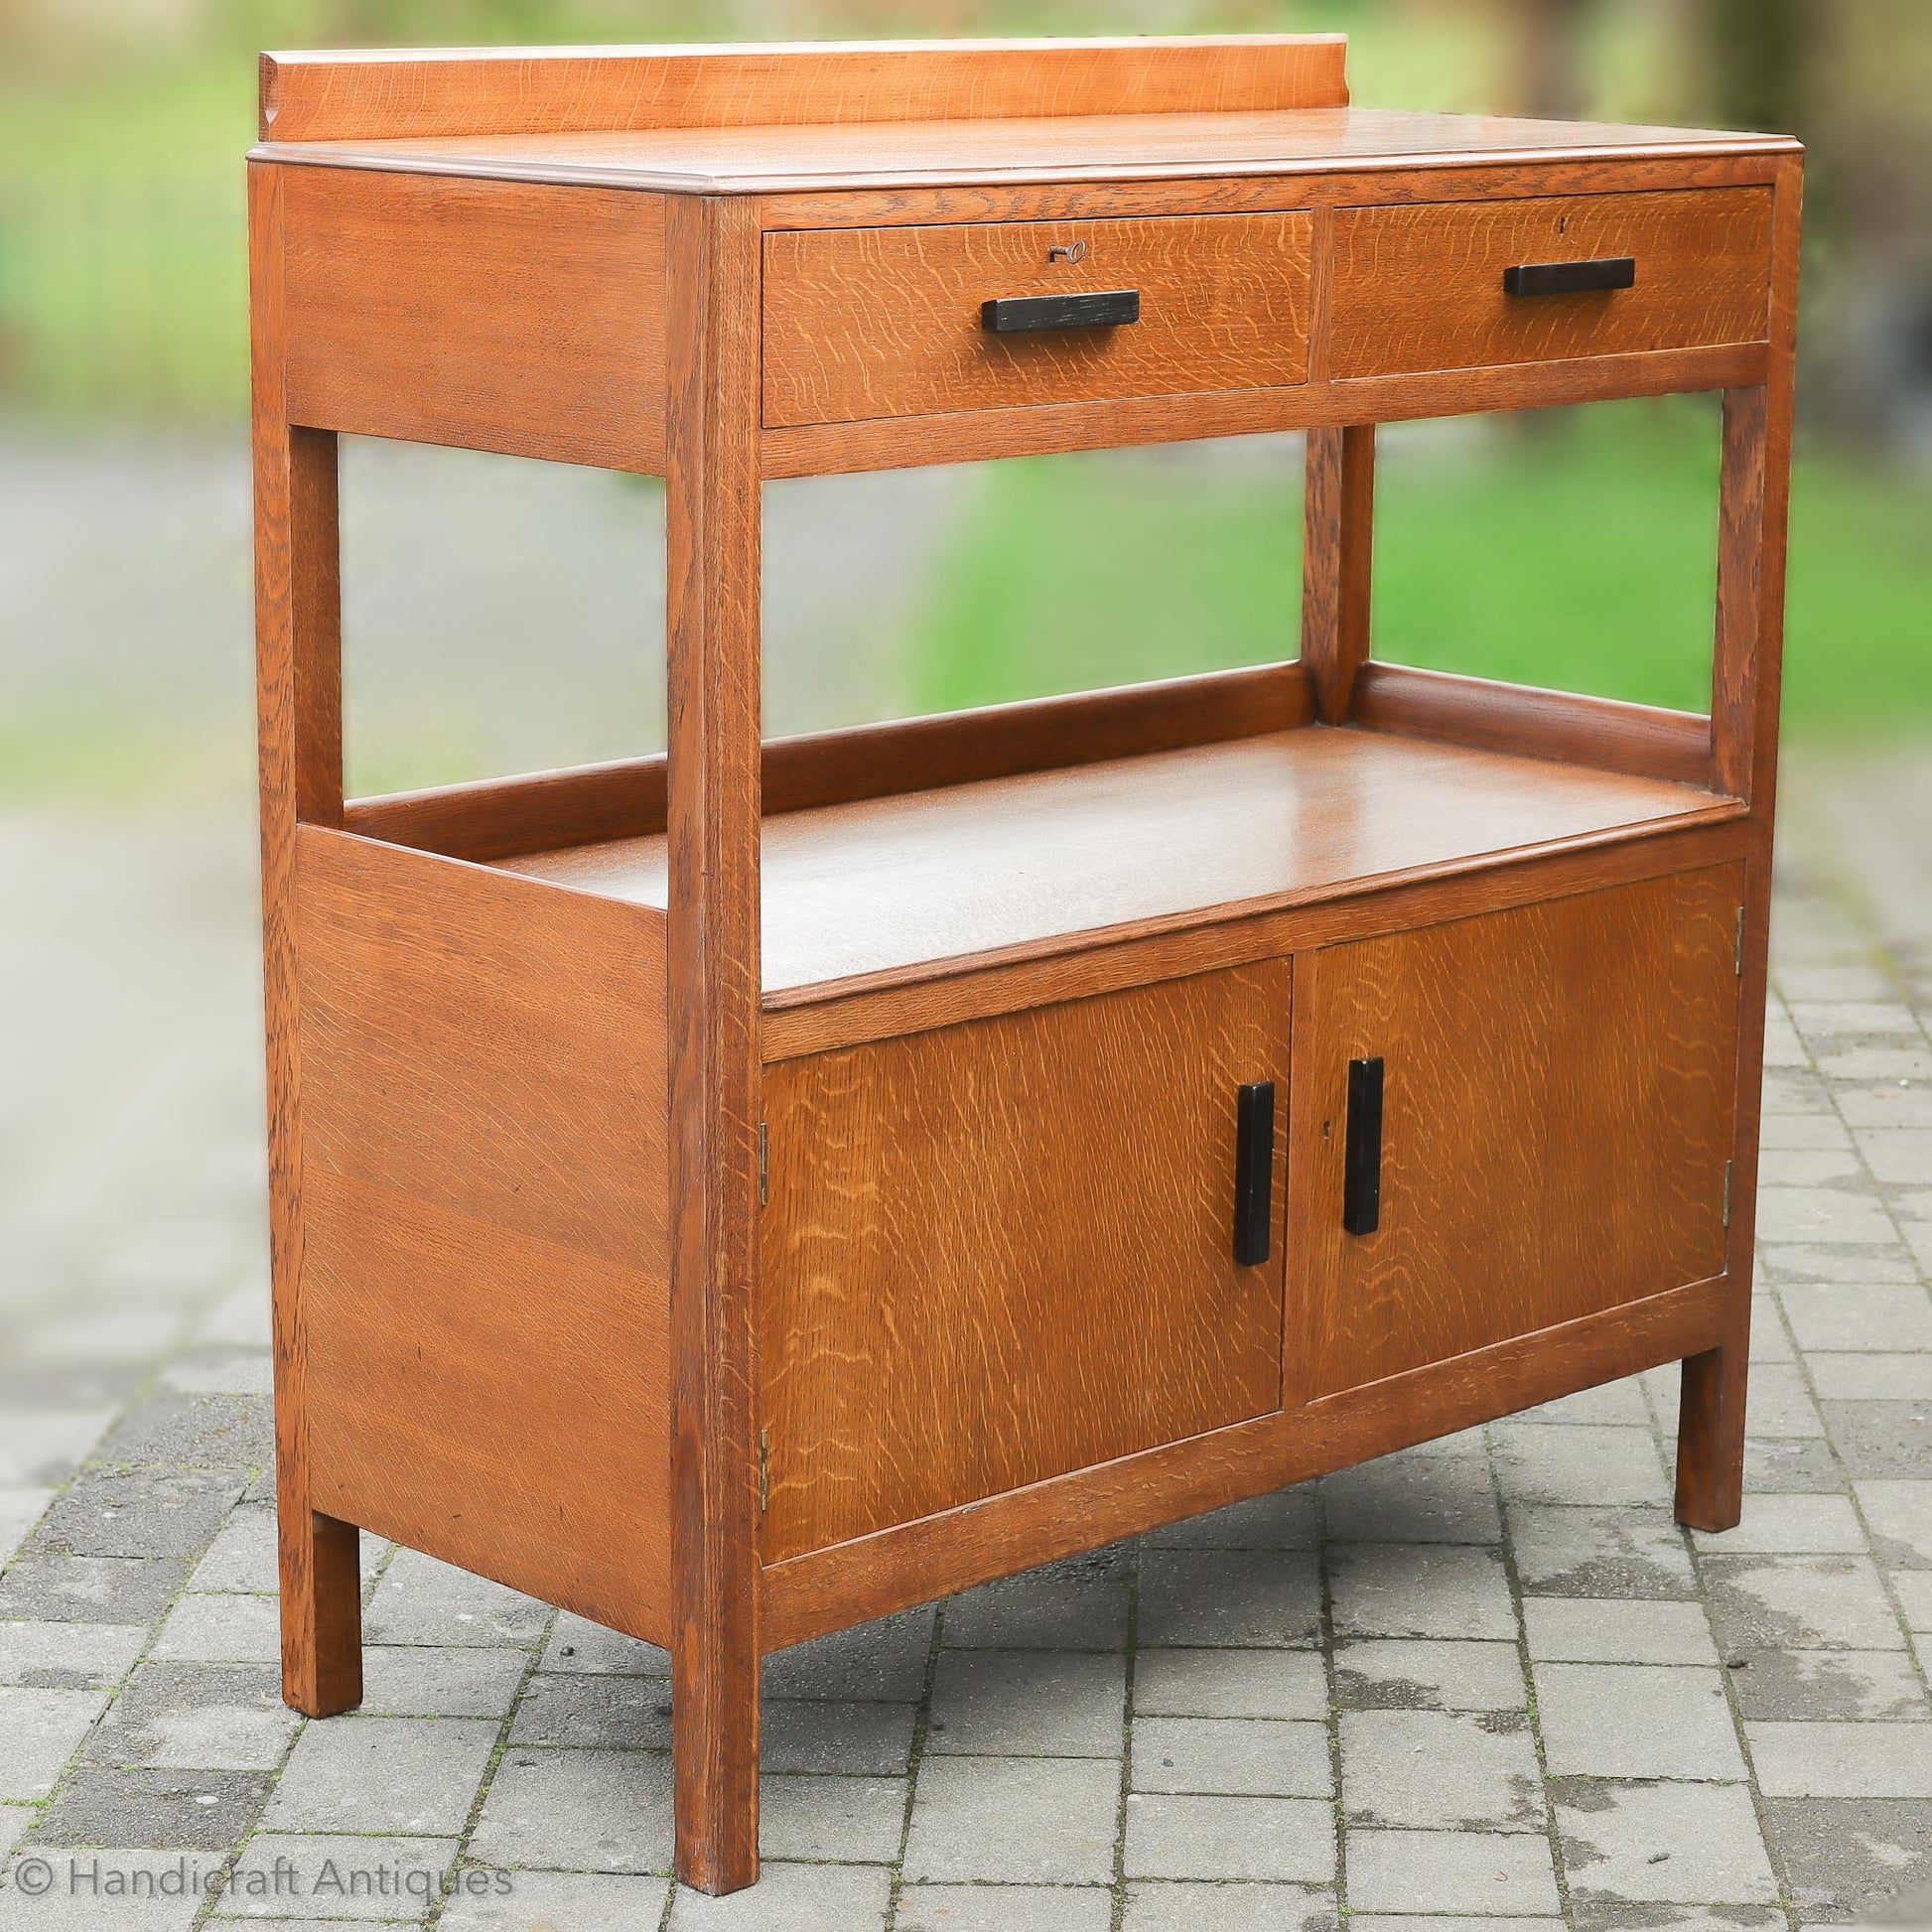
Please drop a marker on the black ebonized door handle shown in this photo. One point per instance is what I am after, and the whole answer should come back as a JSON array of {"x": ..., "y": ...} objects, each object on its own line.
[
  {"x": 1361, "y": 1161},
  {"x": 1254, "y": 1171},
  {"x": 1571, "y": 278},
  {"x": 1013, "y": 315}
]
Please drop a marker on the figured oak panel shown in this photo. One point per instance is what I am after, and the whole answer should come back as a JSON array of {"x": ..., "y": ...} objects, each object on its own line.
[
  {"x": 1420, "y": 288},
  {"x": 863, "y": 323},
  {"x": 998, "y": 1252},
  {"x": 1556, "y": 1121}
]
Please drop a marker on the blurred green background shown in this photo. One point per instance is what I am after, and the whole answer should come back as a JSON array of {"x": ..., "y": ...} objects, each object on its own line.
[{"x": 1572, "y": 550}]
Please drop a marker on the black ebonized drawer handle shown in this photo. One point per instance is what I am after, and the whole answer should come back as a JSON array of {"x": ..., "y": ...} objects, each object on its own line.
[
  {"x": 1571, "y": 278},
  {"x": 1361, "y": 1161},
  {"x": 1010, "y": 315},
  {"x": 1254, "y": 1171}
]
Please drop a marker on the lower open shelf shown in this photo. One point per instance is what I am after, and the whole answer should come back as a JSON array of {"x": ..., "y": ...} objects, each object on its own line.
[{"x": 885, "y": 885}]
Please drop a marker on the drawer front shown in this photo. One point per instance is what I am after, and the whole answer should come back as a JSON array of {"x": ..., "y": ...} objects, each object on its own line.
[
  {"x": 998, "y": 1252},
  {"x": 863, "y": 323},
  {"x": 1421, "y": 288}
]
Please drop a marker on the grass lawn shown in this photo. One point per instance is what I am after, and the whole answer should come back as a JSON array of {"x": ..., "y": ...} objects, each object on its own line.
[{"x": 1576, "y": 553}]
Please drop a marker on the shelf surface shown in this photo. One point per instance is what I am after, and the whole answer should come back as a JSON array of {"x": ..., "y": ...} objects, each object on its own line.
[
  {"x": 893, "y": 884},
  {"x": 726, "y": 160}
]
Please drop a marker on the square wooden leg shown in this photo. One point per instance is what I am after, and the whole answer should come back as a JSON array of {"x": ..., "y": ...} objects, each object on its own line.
[
  {"x": 322, "y": 1612},
  {"x": 1711, "y": 1439}
]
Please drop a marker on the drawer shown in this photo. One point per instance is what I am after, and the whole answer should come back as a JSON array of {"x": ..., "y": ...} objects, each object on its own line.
[
  {"x": 863, "y": 323},
  {"x": 1422, "y": 287}
]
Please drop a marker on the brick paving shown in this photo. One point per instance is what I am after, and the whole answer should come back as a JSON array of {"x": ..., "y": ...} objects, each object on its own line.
[{"x": 1486, "y": 1682}]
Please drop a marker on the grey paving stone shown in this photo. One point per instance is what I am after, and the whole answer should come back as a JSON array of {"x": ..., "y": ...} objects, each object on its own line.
[
  {"x": 242, "y": 1556},
  {"x": 136, "y": 1806},
  {"x": 1502, "y": 1874},
  {"x": 1789, "y": 1465},
  {"x": 1587, "y": 1466},
  {"x": 1768, "y": 1343},
  {"x": 1806, "y": 1167},
  {"x": 562, "y": 1901},
  {"x": 69, "y": 1656},
  {"x": 421, "y": 1601},
  {"x": 91, "y": 1891},
  {"x": 1914, "y": 1589},
  {"x": 222, "y": 1630},
  {"x": 19, "y": 1510},
  {"x": 39, "y": 1732},
  {"x": 1828, "y": 1315},
  {"x": 1230, "y": 1684},
  {"x": 1286, "y": 1519},
  {"x": 1795, "y": 1090},
  {"x": 800, "y": 1898},
  {"x": 1599, "y": 1553},
  {"x": 1795, "y": 1525},
  {"x": 1005, "y": 1908},
  {"x": 220, "y": 1371},
  {"x": 411, "y": 1776},
  {"x": 281, "y": 1874},
  {"x": 578, "y": 1811},
  {"x": 1780, "y": 1404},
  {"x": 1827, "y": 1214},
  {"x": 1636, "y": 1721},
  {"x": 1842, "y": 1760},
  {"x": 1854, "y": 1858},
  {"x": 1883, "y": 1439},
  {"x": 1619, "y": 1916},
  {"x": 194, "y": 1432},
  {"x": 1290, "y": 1840},
  {"x": 46, "y": 1445},
  {"x": 1252, "y": 1756},
  {"x": 1014, "y": 1820},
  {"x": 1265, "y": 1597},
  {"x": 1618, "y": 1404},
  {"x": 1416, "y": 1674},
  {"x": 853, "y": 1740},
  {"x": 1900, "y": 1515},
  {"x": 855, "y": 1819},
  {"x": 1610, "y": 1630},
  {"x": 424, "y": 1681},
  {"x": 1178, "y": 1906},
  {"x": 1869, "y": 1376},
  {"x": 577, "y": 1644},
  {"x": 1407, "y": 1499},
  {"x": 1799, "y": 1602},
  {"x": 197, "y": 1716},
  {"x": 137, "y": 1513},
  {"x": 1382, "y": 1922},
  {"x": 1408, "y": 1589},
  {"x": 1041, "y": 1703},
  {"x": 886, "y": 1660},
  {"x": 1819, "y": 1685},
  {"x": 15, "y": 1823},
  {"x": 1900, "y": 1156},
  {"x": 1438, "y": 1771},
  {"x": 599, "y": 1713},
  {"x": 1672, "y": 1843},
  {"x": 1079, "y": 1605},
  {"x": 90, "y": 1589},
  {"x": 1803, "y": 1263}
]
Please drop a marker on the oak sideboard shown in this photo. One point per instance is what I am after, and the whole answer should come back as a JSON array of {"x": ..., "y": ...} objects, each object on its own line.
[{"x": 741, "y": 1192}]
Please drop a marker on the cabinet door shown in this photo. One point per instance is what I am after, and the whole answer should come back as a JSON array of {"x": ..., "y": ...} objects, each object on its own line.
[
  {"x": 996, "y": 1252},
  {"x": 1556, "y": 1123}
]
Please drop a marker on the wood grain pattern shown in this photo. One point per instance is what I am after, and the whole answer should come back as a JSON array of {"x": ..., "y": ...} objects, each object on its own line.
[
  {"x": 919, "y": 156},
  {"x": 711, "y": 528},
  {"x": 816, "y": 1019},
  {"x": 1605, "y": 734},
  {"x": 886, "y": 322},
  {"x": 829, "y": 1590},
  {"x": 499, "y": 818},
  {"x": 1336, "y": 564},
  {"x": 493, "y": 316},
  {"x": 1420, "y": 288},
  {"x": 548, "y": 91},
  {"x": 1000, "y": 1252},
  {"x": 976, "y": 434},
  {"x": 1051, "y": 859},
  {"x": 486, "y": 1305},
  {"x": 298, "y": 645},
  {"x": 1557, "y": 1119}
]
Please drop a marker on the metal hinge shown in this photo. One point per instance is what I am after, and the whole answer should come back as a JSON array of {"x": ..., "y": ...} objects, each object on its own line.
[
  {"x": 764, "y": 1167},
  {"x": 1726, "y": 1220},
  {"x": 1738, "y": 953},
  {"x": 764, "y": 1471}
]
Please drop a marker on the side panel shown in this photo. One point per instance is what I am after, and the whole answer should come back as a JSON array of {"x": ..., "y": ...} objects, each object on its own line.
[
  {"x": 488, "y": 315},
  {"x": 486, "y": 1201},
  {"x": 1555, "y": 1122},
  {"x": 1000, "y": 1252}
]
